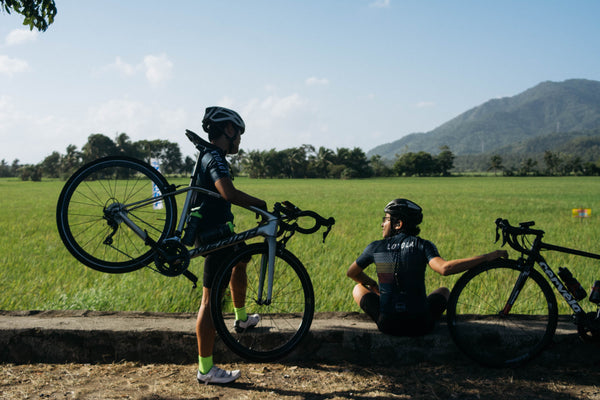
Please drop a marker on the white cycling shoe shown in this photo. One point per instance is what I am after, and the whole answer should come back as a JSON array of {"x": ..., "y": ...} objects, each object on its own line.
[
  {"x": 218, "y": 375},
  {"x": 250, "y": 322}
]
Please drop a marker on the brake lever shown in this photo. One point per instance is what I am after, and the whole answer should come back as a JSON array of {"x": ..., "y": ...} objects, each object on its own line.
[
  {"x": 500, "y": 221},
  {"x": 329, "y": 224},
  {"x": 326, "y": 233}
]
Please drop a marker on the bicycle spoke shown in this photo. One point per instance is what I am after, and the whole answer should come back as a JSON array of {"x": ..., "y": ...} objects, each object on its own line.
[
  {"x": 491, "y": 337},
  {"x": 283, "y": 322},
  {"x": 87, "y": 213}
]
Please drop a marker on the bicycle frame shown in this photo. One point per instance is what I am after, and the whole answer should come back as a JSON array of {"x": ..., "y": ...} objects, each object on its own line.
[
  {"x": 533, "y": 256},
  {"x": 555, "y": 280},
  {"x": 268, "y": 230}
]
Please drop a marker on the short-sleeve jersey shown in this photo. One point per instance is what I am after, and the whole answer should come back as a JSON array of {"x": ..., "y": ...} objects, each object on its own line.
[
  {"x": 400, "y": 263},
  {"x": 213, "y": 166}
]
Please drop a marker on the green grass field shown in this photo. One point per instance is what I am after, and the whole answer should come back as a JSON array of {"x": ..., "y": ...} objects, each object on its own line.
[{"x": 37, "y": 272}]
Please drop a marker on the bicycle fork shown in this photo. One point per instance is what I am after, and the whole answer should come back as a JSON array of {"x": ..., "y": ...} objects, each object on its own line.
[
  {"x": 267, "y": 269},
  {"x": 515, "y": 293}
]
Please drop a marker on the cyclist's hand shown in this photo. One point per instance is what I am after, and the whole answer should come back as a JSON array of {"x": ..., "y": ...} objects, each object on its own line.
[
  {"x": 372, "y": 285},
  {"x": 262, "y": 206},
  {"x": 499, "y": 254},
  {"x": 373, "y": 288}
]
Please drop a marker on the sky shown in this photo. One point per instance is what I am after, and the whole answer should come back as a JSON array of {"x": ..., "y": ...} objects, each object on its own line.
[{"x": 331, "y": 73}]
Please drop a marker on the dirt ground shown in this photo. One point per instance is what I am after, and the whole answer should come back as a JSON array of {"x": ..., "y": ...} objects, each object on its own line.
[{"x": 464, "y": 380}]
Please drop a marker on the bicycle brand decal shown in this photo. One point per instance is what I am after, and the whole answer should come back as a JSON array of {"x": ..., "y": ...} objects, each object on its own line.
[
  {"x": 560, "y": 287},
  {"x": 240, "y": 237}
]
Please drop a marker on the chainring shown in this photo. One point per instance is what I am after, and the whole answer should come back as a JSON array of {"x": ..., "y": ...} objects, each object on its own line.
[{"x": 171, "y": 258}]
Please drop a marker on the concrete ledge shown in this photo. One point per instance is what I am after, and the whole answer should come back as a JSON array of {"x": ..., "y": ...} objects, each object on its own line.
[{"x": 104, "y": 337}]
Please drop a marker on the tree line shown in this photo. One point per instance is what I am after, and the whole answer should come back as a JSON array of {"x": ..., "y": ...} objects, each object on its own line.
[
  {"x": 58, "y": 165},
  {"x": 299, "y": 162},
  {"x": 551, "y": 163}
]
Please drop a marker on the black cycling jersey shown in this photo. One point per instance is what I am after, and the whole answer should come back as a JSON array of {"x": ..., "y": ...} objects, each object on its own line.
[
  {"x": 215, "y": 211},
  {"x": 213, "y": 166},
  {"x": 400, "y": 263}
]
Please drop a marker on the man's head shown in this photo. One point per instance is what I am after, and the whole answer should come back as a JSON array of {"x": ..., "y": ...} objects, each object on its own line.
[
  {"x": 402, "y": 215},
  {"x": 224, "y": 125}
]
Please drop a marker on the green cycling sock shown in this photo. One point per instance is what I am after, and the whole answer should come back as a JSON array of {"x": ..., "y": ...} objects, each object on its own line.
[
  {"x": 240, "y": 313},
  {"x": 205, "y": 364}
]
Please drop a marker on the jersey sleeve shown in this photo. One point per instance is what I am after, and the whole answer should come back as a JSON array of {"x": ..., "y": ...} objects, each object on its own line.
[
  {"x": 430, "y": 250},
  {"x": 366, "y": 258},
  {"x": 217, "y": 167}
]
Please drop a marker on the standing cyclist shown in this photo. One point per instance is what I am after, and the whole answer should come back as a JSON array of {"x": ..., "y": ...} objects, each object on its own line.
[
  {"x": 398, "y": 302},
  {"x": 225, "y": 128}
]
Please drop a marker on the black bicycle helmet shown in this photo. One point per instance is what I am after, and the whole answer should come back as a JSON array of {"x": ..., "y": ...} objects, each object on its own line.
[
  {"x": 215, "y": 118},
  {"x": 405, "y": 210}
]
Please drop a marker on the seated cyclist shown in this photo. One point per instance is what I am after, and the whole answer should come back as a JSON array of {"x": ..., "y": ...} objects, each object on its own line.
[
  {"x": 397, "y": 301},
  {"x": 225, "y": 128}
]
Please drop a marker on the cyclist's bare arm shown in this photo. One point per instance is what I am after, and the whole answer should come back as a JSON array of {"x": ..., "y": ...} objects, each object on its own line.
[
  {"x": 237, "y": 197},
  {"x": 357, "y": 274},
  {"x": 451, "y": 267}
]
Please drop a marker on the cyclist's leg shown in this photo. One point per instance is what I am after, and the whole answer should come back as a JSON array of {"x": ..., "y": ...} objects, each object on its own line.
[
  {"x": 368, "y": 301},
  {"x": 205, "y": 330},
  {"x": 437, "y": 302},
  {"x": 238, "y": 284},
  {"x": 239, "y": 281},
  {"x": 358, "y": 292},
  {"x": 444, "y": 291}
]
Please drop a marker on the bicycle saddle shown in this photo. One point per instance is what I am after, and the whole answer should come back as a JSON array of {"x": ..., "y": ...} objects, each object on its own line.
[{"x": 200, "y": 143}]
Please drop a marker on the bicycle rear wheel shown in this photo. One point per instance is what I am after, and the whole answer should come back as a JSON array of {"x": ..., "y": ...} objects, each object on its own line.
[
  {"x": 284, "y": 321},
  {"x": 486, "y": 334},
  {"x": 102, "y": 241}
]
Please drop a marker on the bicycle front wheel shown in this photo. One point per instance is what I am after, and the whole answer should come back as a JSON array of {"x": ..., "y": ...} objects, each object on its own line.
[
  {"x": 480, "y": 324},
  {"x": 285, "y": 320},
  {"x": 100, "y": 239}
]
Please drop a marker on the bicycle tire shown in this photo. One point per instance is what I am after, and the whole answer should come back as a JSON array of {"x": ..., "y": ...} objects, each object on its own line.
[
  {"x": 482, "y": 333},
  {"x": 284, "y": 322},
  {"x": 104, "y": 183}
]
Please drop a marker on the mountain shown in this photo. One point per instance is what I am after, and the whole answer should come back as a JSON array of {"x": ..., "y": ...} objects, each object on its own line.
[{"x": 545, "y": 109}]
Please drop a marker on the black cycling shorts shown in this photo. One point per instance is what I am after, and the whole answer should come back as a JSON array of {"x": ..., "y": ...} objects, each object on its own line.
[
  {"x": 399, "y": 324},
  {"x": 216, "y": 260}
]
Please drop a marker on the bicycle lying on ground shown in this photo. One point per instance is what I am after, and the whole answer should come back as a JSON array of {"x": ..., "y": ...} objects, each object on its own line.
[
  {"x": 504, "y": 313},
  {"x": 118, "y": 214}
]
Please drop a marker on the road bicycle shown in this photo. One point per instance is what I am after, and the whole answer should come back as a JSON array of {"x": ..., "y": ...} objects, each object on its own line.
[
  {"x": 118, "y": 214},
  {"x": 504, "y": 313}
]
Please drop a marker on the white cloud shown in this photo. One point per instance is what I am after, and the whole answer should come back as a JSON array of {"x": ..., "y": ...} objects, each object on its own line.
[
  {"x": 123, "y": 67},
  {"x": 273, "y": 107},
  {"x": 10, "y": 66},
  {"x": 117, "y": 115},
  {"x": 27, "y": 136},
  {"x": 380, "y": 4},
  {"x": 312, "y": 81},
  {"x": 156, "y": 68},
  {"x": 276, "y": 121},
  {"x": 137, "y": 119},
  {"x": 18, "y": 36}
]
